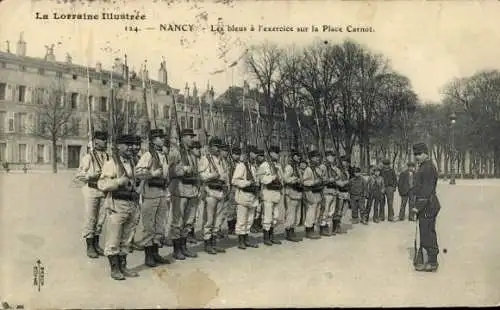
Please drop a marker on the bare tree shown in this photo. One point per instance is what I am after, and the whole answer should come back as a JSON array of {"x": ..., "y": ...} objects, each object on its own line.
[{"x": 53, "y": 114}]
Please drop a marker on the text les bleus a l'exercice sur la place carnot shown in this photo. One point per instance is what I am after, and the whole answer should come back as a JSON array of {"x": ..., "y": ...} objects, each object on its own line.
[{"x": 133, "y": 22}]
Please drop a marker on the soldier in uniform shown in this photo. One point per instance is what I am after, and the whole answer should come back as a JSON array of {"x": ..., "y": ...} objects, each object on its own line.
[
  {"x": 313, "y": 187},
  {"x": 293, "y": 196},
  {"x": 342, "y": 195},
  {"x": 271, "y": 194},
  {"x": 152, "y": 169},
  {"x": 427, "y": 207},
  {"x": 231, "y": 204},
  {"x": 136, "y": 149},
  {"x": 215, "y": 183},
  {"x": 118, "y": 178},
  {"x": 95, "y": 214},
  {"x": 184, "y": 190},
  {"x": 256, "y": 159},
  {"x": 247, "y": 190},
  {"x": 226, "y": 164},
  {"x": 329, "y": 193}
]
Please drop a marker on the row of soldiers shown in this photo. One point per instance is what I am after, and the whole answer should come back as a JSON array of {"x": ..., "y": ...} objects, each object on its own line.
[{"x": 225, "y": 184}]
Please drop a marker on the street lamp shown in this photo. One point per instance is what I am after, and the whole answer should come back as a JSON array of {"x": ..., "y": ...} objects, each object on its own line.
[{"x": 453, "y": 120}]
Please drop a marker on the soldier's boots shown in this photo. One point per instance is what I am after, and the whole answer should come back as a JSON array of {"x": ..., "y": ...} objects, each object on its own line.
[
  {"x": 267, "y": 238},
  {"x": 123, "y": 267},
  {"x": 98, "y": 249},
  {"x": 355, "y": 221},
  {"x": 292, "y": 236},
  {"x": 157, "y": 257},
  {"x": 324, "y": 230},
  {"x": 178, "y": 255},
  {"x": 191, "y": 238},
  {"x": 273, "y": 237},
  {"x": 114, "y": 263},
  {"x": 185, "y": 250},
  {"x": 250, "y": 244},
  {"x": 231, "y": 227},
  {"x": 149, "y": 259},
  {"x": 257, "y": 226},
  {"x": 311, "y": 233},
  {"x": 217, "y": 248},
  {"x": 208, "y": 247},
  {"x": 241, "y": 242},
  {"x": 91, "y": 252}
]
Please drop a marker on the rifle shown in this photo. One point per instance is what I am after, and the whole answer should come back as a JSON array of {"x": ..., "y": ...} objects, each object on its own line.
[
  {"x": 127, "y": 100},
  {"x": 254, "y": 188},
  {"x": 113, "y": 135},
  {"x": 182, "y": 149},
  {"x": 93, "y": 156},
  {"x": 211, "y": 162},
  {"x": 229, "y": 143}
]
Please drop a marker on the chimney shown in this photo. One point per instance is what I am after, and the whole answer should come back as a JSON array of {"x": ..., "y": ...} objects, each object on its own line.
[
  {"x": 162, "y": 73},
  {"x": 8, "y": 46},
  {"x": 49, "y": 54},
  {"x": 118, "y": 66},
  {"x": 21, "y": 46},
  {"x": 98, "y": 67},
  {"x": 69, "y": 59}
]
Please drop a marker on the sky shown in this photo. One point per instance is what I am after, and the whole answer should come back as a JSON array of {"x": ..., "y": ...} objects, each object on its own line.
[{"x": 431, "y": 42}]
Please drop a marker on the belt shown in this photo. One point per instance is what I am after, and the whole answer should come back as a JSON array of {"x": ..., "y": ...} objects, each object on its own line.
[
  {"x": 131, "y": 196},
  {"x": 92, "y": 184},
  {"x": 274, "y": 187},
  {"x": 216, "y": 187},
  {"x": 251, "y": 189}
]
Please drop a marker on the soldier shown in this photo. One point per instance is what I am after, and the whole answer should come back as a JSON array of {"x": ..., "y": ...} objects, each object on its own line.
[
  {"x": 312, "y": 194},
  {"x": 95, "y": 214},
  {"x": 390, "y": 182},
  {"x": 215, "y": 183},
  {"x": 246, "y": 196},
  {"x": 184, "y": 190},
  {"x": 329, "y": 193},
  {"x": 136, "y": 149},
  {"x": 427, "y": 207},
  {"x": 226, "y": 164},
  {"x": 256, "y": 159},
  {"x": 231, "y": 204},
  {"x": 342, "y": 195},
  {"x": 152, "y": 169},
  {"x": 293, "y": 196},
  {"x": 118, "y": 178},
  {"x": 271, "y": 180}
]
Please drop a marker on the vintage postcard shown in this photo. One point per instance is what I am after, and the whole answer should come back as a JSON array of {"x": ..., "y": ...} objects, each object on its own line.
[{"x": 249, "y": 154}]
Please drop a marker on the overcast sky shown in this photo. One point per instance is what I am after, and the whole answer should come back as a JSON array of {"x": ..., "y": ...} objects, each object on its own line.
[{"x": 430, "y": 42}]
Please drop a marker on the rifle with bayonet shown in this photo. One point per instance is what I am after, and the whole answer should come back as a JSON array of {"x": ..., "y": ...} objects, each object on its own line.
[{"x": 254, "y": 186}]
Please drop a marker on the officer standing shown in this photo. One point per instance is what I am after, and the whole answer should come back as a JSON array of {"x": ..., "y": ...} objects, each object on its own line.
[
  {"x": 271, "y": 176},
  {"x": 293, "y": 196},
  {"x": 184, "y": 190},
  {"x": 246, "y": 194},
  {"x": 427, "y": 208},
  {"x": 312, "y": 194},
  {"x": 95, "y": 213},
  {"x": 118, "y": 178},
  {"x": 215, "y": 181},
  {"x": 152, "y": 169}
]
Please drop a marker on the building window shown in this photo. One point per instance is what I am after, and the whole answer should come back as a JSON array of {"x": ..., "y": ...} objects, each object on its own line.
[
  {"x": 103, "y": 105},
  {"x": 21, "y": 96},
  {"x": 41, "y": 71},
  {"x": 3, "y": 116},
  {"x": 104, "y": 82},
  {"x": 91, "y": 102},
  {"x": 59, "y": 154},
  {"x": 3, "y": 88},
  {"x": 3, "y": 152},
  {"x": 183, "y": 122},
  {"x": 75, "y": 76},
  {"x": 120, "y": 85},
  {"x": 165, "y": 112},
  {"x": 191, "y": 122},
  {"x": 40, "y": 153},
  {"x": 155, "y": 110},
  {"x": 168, "y": 92},
  {"x": 75, "y": 127},
  {"x": 198, "y": 123},
  {"x": 11, "y": 125},
  {"x": 38, "y": 95},
  {"x": 22, "y": 153},
  {"x": 22, "y": 68},
  {"x": 74, "y": 101},
  {"x": 20, "y": 122},
  {"x": 59, "y": 74},
  {"x": 132, "y": 87},
  {"x": 119, "y": 105}
]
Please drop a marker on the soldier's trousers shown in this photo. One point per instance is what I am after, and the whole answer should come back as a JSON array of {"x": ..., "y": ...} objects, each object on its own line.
[
  {"x": 312, "y": 213},
  {"x": 154, "y": 217},
  {"x": 389, "y": 196},
  {"x": 121, "y": 219},
  {"x": 270, "y": 214},
  {"x": 244, "y": 219},
  {"x": 357, "y": 206},
  {"x": 212, "y": 217},
  {"x": 95, "y": 212},
  {"x": 428, "y": 237},
  {"x": 341, "y": 207},
  {"x": 328, "y": 210},
  {"x": 292, "y": 212},
  {"x": 407, "y": 199},
  {"x": 199, "y": 215},
  {"x": 136, "y": 223},
  {"x": 183, "y": 215}
]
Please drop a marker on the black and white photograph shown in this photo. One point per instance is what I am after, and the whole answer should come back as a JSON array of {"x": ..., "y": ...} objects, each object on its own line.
[{"x": 249, "y": 154}]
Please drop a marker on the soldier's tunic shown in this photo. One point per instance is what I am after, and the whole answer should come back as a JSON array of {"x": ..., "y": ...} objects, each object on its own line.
[
  {"x": 246, "y": 199},
  {"x": 293, "y": 195},
  {"x": 121, "y": 207},
  {"x": 155, "y": 206},
  {"x": 312, "y": 196},
  {"x": 330, "y": 193},
  {"x": 95, "y": 213},
  {"x": 214, "y": 195},
  {"x": 229, "y": 203},
  {"x": 184, "y": 191},
  {"x": 343, "y": 194},
  {"x": 271, "y": 194}
]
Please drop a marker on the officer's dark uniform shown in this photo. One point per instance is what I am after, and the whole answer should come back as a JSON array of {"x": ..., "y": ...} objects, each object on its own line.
[{"x": 428, "y": 206}]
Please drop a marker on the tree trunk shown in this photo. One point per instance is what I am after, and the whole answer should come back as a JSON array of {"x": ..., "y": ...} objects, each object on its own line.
[{"x": 54, "y": 154}]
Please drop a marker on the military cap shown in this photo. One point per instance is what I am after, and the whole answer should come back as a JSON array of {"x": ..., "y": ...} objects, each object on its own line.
[
  {"x": 126, "y": 139},
  {"x": 236, "y": 150},
  {"x": 196, "y": 145},
  {"x": 100, "y": 135},
  {"x": 294, "y": 152},
  {"x": 215, "y": 141},
  {"x": 410, "y": 164},
  {"x": 260, "y": 152},
  {"x": 313, "y": 153},
  {"x": 356, "y": 169},
  {"x": 386, "y": 162},
  {"x": 166, "y": 141},
  {"x": 156, "y": 133},
  {"x": 188, "y": 132},
  {"x": 274, "y": 149},
  {"x": 252, "y": 149},
  {"x": 345, "y": 158},
  {"x": 420, "y": 148},
  {"x": 330, "y": 153},
  {"x": 137, "y": 139}
]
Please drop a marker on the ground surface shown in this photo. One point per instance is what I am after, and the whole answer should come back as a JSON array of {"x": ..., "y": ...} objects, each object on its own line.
[{"x": 41, "y": 217}]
